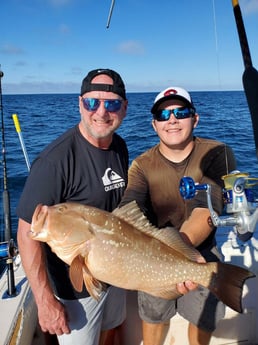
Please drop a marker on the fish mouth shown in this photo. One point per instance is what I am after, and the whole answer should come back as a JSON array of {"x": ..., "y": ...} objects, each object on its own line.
[{"x": 38, "y": 220}]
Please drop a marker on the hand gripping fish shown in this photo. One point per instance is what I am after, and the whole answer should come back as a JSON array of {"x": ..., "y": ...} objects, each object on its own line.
[{"x": 123, "y": 249}]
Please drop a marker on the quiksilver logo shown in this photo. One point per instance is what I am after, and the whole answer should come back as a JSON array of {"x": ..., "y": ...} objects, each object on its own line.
[{"x": 112, "y": 180}]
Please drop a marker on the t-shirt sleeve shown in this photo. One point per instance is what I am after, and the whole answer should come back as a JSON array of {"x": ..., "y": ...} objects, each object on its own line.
[
  {"x": 43, "y": 186},
  {"x": 138, "y": 190}
]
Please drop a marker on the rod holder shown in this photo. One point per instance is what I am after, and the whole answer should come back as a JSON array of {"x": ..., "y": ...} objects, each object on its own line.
[
  {"x": 11, "y": 289},
  {"x": 8, "y": 251}
]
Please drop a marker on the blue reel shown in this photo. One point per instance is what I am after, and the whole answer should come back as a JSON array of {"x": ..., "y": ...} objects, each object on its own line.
[
  {"x": 241, "y": 209},
  {"x": 8, "y": 249},
  {"x": 188, "y": 188}
]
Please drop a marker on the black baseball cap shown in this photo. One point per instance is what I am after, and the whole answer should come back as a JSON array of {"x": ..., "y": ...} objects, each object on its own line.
[{"x": 118, "y": 86}]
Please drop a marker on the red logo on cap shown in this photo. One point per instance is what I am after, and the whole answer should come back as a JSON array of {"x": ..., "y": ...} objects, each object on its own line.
[{"x": 170, "y": 91}]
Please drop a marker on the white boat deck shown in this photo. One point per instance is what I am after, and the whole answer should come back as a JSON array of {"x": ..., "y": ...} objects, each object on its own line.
[
  {"x": 18, "y": 314},
  {"x": 235, "y": 328}
]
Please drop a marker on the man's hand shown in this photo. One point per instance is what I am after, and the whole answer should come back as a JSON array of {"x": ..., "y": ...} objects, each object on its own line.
[
  {"x": 188, "y": 285},
  {"x": 53, "y": 318}
]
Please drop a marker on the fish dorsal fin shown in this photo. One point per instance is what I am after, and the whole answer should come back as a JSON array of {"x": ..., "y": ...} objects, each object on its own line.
[
  {"x": 171, "y": 237},
  {"x": 132, "y": 214}
]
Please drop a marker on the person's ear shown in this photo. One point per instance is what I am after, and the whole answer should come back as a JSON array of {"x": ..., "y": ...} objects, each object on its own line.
[{"x": 195, "y": 120}]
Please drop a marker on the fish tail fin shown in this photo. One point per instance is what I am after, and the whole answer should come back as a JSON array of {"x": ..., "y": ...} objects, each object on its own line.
[{"x": 227, "y": 284}]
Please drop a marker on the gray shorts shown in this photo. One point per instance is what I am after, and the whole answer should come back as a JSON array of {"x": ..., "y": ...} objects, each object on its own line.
[
  {"x": 200, "y": 307},
  {"x": 87, "y": 317}
]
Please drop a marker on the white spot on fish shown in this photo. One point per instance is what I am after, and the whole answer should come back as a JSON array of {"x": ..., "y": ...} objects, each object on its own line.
[
  {"x": 105, "y": 231},
  {"x": 113, "y": 243}
]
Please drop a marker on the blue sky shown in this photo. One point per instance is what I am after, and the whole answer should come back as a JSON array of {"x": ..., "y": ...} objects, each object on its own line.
[{"x": 48, "y": 46}]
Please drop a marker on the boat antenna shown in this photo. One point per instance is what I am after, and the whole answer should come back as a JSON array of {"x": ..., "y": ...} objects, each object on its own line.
[
  {"x": 250, "y": 75},
  {"x": 110, "y": 12},
  {"x": 6, "y": 198}
]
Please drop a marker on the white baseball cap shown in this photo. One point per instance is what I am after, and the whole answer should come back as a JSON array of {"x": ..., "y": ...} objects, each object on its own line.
[{"x": 172, "y": 92}]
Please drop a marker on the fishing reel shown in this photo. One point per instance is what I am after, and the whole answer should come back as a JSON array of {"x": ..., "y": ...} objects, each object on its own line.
[
  {"x": 238, "y": 198},
  {"x": 8, "y": 249}
]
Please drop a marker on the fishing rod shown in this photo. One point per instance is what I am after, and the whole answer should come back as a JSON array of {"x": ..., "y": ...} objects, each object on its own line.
[
  {"x": 8, "y": 249},
  {"x": 110, "y": 12},
  {"x": 19, "y": 132},
  {"x": 6, "y": 196},
  {"x": 250, "y": 75}
]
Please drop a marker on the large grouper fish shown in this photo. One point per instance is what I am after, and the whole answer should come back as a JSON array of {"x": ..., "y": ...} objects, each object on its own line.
[{"x": 123, "y": 249}]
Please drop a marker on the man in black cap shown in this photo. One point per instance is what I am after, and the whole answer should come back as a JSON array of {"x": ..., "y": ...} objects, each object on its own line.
[{"x": 87, "y": 164}]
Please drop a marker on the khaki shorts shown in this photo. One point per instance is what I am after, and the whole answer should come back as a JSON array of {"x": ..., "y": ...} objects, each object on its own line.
[
  {"x": 88, "y": 317},
  {"x": 200, "y": 307}
]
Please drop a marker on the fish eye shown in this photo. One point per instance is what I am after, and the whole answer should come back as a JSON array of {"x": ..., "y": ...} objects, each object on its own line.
[{"x": 61, "y": 208}]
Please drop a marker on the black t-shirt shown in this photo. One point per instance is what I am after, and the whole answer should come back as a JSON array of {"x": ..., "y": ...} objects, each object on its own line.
[{"x": 71, "y": 169}]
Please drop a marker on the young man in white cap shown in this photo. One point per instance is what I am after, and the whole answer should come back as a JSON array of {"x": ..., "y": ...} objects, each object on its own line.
[{"x": 153, "y": 182}]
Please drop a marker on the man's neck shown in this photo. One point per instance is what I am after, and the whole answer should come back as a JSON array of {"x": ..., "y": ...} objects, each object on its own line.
[{"x": 176, "y": 153}]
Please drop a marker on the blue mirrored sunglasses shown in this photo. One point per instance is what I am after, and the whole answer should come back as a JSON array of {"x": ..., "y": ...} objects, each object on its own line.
[
  {"x": 179, "y": 113},
  {"x": 92, "y": 104}
]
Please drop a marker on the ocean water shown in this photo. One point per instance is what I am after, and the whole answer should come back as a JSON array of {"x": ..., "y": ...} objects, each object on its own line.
[{"x": 223, "y": 116}]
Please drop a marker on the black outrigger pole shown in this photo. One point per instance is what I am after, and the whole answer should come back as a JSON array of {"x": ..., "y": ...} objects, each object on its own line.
[
  {"x": 6, "y": 198},
  {"x": 250, "y": 75}
]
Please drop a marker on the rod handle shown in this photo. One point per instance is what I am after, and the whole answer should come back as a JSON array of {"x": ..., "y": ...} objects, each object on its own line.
[{"x": 16, "y": 123}]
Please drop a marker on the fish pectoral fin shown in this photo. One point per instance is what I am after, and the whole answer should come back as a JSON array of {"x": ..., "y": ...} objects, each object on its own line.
[
  {"x": 93, "y": 286},
  {"x": 76, "y": 272},
  {"x": 80, "y": 273}
]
